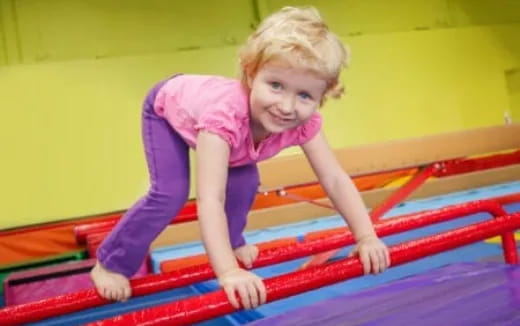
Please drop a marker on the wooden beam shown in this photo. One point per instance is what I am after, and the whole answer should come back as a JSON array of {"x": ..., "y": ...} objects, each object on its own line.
[{"x": 360, "y": 160}]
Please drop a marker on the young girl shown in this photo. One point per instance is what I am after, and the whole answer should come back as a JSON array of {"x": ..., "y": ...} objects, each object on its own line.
[{"x": 289, "y": 66}]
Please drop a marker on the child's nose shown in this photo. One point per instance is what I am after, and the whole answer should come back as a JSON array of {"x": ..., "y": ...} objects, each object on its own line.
[{"x": 287, "y": 105}]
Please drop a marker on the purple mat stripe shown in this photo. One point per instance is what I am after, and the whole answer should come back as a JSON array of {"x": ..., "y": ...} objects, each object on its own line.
[{"x": 459, "y": 294}]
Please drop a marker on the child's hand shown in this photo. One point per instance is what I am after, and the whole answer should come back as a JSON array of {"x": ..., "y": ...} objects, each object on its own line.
[
  {"x": 247, "y": 254},
  {"x": 373, "y": 254},
  {"x": 249, "y": 286}
]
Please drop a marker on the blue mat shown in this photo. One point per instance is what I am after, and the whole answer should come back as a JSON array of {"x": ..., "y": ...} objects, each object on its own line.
[
  {"x": 133, "y": 304},
  {"x": 475, "y": 252},
  {"x": 298, "y": 229},
  {"x": 471, "y": 253}
]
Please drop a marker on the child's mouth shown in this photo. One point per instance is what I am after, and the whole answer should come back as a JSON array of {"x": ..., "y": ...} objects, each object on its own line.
[{"x": 279, "y": 120}]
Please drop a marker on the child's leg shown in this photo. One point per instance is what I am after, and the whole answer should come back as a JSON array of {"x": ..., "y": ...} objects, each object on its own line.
[
  {"x": 124, "y": 250},
  {"x": 242, "y": 185}
]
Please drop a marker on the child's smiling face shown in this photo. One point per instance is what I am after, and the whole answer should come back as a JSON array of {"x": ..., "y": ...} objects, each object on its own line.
[{"x": 283, "y": 97}]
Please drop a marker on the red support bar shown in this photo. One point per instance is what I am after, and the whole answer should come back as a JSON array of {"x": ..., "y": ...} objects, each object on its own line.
[
  {"x": 453, "y": 167},
  {"x": 298, "y": 198},
  {"x": 403, "y": 192},
  {"x": 495, "y": 209},
  {"x": 325, "y": 240},
  {"x": 508, "y": 242},
  {"x": 507, "y": 199},
  {"x": 85, "y": 299},
  {"x": 509, "y": 248},
  {"x": 395, "y": 198},
  {"x": 204, "y": 307}
]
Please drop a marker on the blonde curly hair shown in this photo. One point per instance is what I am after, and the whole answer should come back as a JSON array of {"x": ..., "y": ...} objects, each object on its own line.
[{"x": 299, "y": 37}]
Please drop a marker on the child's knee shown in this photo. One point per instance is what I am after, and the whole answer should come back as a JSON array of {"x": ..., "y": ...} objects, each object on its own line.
[{"x": 167, "y": 201}]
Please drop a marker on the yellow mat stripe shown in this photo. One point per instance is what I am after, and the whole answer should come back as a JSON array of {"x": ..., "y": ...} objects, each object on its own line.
[{"x": 497, "y": 239}]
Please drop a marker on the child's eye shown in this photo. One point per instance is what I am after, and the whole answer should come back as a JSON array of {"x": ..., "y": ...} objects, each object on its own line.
[
  {"x": 305, "y": 96},
  {"x": 276, "y": 85}
]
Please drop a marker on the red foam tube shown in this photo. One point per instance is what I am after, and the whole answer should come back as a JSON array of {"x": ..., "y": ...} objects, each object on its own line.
[
  {"x": 196, "y": 309},
  {"x": 153, "y": 283},
  {"x": 188, "y": 213}
]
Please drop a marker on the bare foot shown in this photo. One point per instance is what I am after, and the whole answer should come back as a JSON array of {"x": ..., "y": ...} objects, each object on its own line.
[{"x": 110, "y": 285}]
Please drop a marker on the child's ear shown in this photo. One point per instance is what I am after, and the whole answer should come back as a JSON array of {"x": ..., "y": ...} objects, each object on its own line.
[
  {"x": 250, "y": 79},
  {"x": 249, "y": 82}
]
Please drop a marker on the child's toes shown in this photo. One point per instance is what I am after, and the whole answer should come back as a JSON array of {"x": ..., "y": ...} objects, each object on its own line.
[
  {"x": 105, "y": 293},
  {"x": 117, "y": 295},
  {"x": 127, "y": 293}
]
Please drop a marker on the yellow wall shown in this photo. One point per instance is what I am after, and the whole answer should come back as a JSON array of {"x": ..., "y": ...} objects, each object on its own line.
[
  {"x": 513, "y": 83},
  {"x": 71, "y": 132},
  {"x": 74, "y": 75}
]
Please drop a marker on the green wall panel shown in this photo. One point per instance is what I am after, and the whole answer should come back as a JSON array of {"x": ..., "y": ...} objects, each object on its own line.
[
  {"x": 484, "y": 12},
  {"x": 77, "y": 72},
  {"x": 53, "y": 30},
  {"x": 9, "y": 37},
  {"x": 371, "y": 16},
  {"x": 351, "y": 17},
  {"x": 3, "y": 54}
]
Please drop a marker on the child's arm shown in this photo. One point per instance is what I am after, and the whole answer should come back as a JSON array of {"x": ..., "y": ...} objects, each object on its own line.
[
  {"x": 212, "y": 167},
  {"x": 347, "y": 200}
]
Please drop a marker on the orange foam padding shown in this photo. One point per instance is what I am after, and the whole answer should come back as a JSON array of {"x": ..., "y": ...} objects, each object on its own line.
[
  {"x": 180, "y": 263},
  {"x": 379, "y": 180},
  {"x": 22, "y": 247},
  {"x": 326, "y": 233},
  {"x": 272, "y": 199},
  {"x": 52, "y": 239},
  {"x": 276, "y": 243},
  {"x": 315, "y": 191},
  {"x": 41, "y": 241}
]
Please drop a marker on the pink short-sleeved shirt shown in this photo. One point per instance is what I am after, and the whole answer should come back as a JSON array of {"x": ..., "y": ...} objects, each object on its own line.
[{"x": 191, "y": 103}]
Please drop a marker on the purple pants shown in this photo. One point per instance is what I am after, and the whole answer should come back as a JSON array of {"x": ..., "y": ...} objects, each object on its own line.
[{"x": 126, "y": 247}]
